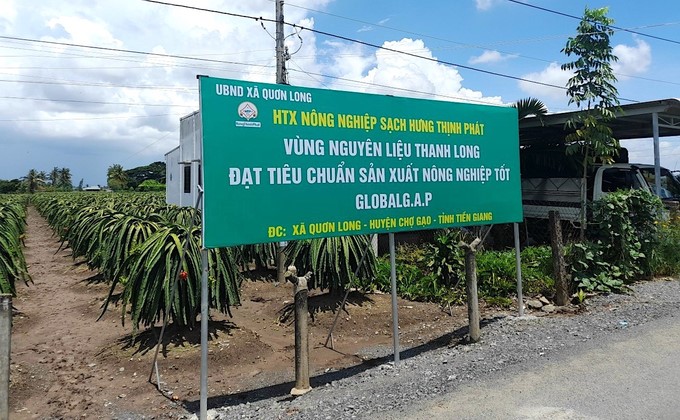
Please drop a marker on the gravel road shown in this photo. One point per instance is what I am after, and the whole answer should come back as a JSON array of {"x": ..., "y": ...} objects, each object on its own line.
[{"x": 509, "y": 344}]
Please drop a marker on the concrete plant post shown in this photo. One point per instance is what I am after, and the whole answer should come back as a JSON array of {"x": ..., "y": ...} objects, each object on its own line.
[
  {"x": 301, "y": 331},
  {"x": 5, "y": 349},
  {"x": 471, "y": 288},
  {"x": 559, "y": 270}
]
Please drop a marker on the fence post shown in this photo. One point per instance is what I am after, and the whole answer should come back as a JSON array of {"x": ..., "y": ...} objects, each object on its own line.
[
  {"x": 5, "y": 350},
  {"x": 471, "y": 288},
  {"x": 301, "y": 331},
  {"x": 559, "y": 271}
]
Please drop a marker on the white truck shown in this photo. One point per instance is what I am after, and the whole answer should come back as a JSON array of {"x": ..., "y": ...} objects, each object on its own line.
[{"x": 540, "y": 195}]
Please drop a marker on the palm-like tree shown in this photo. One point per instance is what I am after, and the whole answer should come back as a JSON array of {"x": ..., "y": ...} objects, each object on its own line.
[
  {"x": 33, "y": 181},
  {"x": 64, "y": 179},
  {"x": 54, "y": 176},
  {"x": 528, "y": 107},
  {"x": 116, "y": 177}
]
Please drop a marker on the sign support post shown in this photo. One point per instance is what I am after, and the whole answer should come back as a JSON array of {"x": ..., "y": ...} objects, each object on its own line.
[
  {"x": 395, "y": 312},
  {"x": 173, "y": 290},
  {"x": 301, "y": 331},
  {"x": 518, "y": 263},
  {"x": 5, "y": 352},
  {"x": 204, "y": 334}
]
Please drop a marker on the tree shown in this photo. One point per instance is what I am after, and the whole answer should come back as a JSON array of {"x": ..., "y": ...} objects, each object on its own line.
[
  {"x": 65, "y": 182},
  {"x": 10, "y": 186},
  {"x": 33, "y": 181},
  {"x": 154, "y": 171},
  {"x": 528, "y": 107},
  {"x": 54, "y": 176},
  {"x": 592, "y": 89},
  {"x": 116, "y": 177},
  {"x": 151, "y": 185},
  {"x": 43, "y": 177}
]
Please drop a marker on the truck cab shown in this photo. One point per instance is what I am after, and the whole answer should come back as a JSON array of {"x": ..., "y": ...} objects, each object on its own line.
[{"x": 541, "y": 195}]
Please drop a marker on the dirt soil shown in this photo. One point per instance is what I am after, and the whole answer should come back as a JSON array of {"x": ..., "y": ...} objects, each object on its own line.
[{"x": 67, "y": 365}]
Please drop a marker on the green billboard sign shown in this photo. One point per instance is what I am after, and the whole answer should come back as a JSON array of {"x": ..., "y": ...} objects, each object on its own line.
[{"x": 285, "y": 163}]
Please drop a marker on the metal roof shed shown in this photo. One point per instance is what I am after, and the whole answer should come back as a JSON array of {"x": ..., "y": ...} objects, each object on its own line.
[{"x": 641, "y": 120}]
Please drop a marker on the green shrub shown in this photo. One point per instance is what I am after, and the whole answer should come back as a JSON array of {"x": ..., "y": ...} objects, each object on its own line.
[
  {"x": 623, "y": 239},
  {"x": 591, "y": 271},
  {"x": 666, "y": 258},
  {"x": 436, "y": 272},
  {"x": 445, "y": 259},
  {"x": 497, "y": 272},
  {"x": 537, "y": 270},
  {"x": 151, "y": 185}
]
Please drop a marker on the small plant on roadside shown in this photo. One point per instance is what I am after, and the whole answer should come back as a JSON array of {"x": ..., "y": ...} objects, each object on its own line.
[
  {"x": 537, "y": 270},
  {"x": 666, "y": 258},
  {"x": 333, "y": 260},
  {"x": 622, "y": 245},
  {"x": 501, "y": 302},
  {"x": 591, "y": 273},
  {"x": 626, "y": 222},
  {"x": 445, "y": 258}
]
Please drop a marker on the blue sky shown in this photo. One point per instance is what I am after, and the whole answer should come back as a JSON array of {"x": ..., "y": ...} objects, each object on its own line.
[{"x": 86, "y": 109}]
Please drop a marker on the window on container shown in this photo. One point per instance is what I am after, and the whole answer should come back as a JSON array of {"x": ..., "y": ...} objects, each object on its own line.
[
  {"x": 200, "y": 176},
  {"x": 187, "y": 179}
]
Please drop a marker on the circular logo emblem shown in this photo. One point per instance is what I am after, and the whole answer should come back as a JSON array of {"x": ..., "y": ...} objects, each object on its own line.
[{"x": 247, "y": 110}]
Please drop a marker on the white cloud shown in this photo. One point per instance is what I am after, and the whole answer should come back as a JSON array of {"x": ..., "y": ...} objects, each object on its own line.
[
  {"x": 111, "y": 117},
  {"x": 633, "y": 60},
  {"x": 551, "y": 75},
  {"x": 83, "y": 31},
  {"x": 133, "y": 128},
  {"x": 8, "y": 14},
  {"x": 489, "y": 56},
  {"x": 485, "y": 4},
  {"x": 388, "y": 72}
]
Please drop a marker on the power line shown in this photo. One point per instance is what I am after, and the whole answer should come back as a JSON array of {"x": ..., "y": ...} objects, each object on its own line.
[
  {"x": 91, "y": 102},
  {"x": 345, "y": 38},
  {"x": 88, "y": 84},
  {"x": 498, "y": 74},
  {"x": 148, "y": 145},
  {"x": 87, "y": 118},
  {"x": 581, "y": 18},
  {"x": 388, "y": 87},
  {"x": 489, "y": 72},
  {"x": 368, "y": 44},
  {"x": 95, "y": 47},
  {"x": 462, "y": 44}
]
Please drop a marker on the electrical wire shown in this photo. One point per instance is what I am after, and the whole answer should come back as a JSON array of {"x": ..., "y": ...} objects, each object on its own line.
[
  {"x": 395, "y": 88},
  {"x": 295, "y": 26},
  {"x": 95, "y": 47},
  {"x": 618, "y": 28},
  {"x": 261, "y": 19},
  {"x": 104, "y": 85},
  {"x": 121, "y": 117},
  {"x": 379, "y": 47},
  {"x": 82, "y": 101}
]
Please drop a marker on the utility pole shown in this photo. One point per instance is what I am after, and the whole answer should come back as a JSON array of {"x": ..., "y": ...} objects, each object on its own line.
[
  {"x": 281, "y": 55},
  {"x": 301, "y": 313},
  {"x": 282, "y": 79}
]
